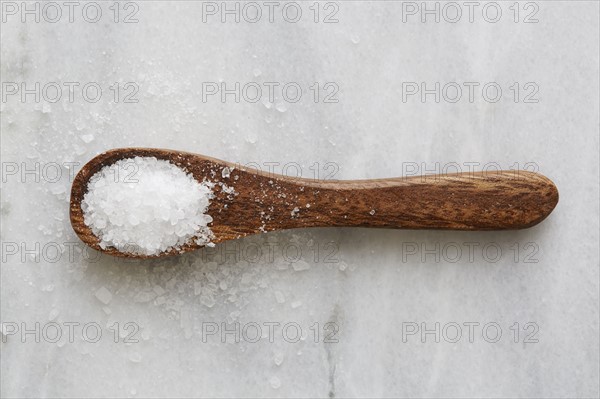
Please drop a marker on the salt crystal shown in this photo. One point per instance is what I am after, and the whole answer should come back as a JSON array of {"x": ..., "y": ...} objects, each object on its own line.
[
  {"x": 246, "y": 279},
  {"x": 278, "y": 358},
  {"x": 53, "y": 314},
  {"x": 300, "y": 265},
  {"x": 57, "y": 189},
  {"x": 295, "y": 212},
  {"x": 275, "y": 382},
  {"x": 144, "y": 296},
  {"x": 135, "y": 357},
  {"x": 266, "y": 103},
  {"x": 207, "y": 301},
  {"x": 281, "y": 107},
  {"x": 87, "y": 138},
  {"x": 48, "y": 288},
  {"x": 296, "y": 304},
  {"x": 279, "y": 297},
  {"x": 282, "y": 266},
  {"x": 158, "y": 290},
  {"x": 104, "y": 295},
  {"x": 197, "y": 288},
  {"x": 225, "y": 173},
  {"x": 251, "y": 138},
  {"x": 123, "y": 210},
  {"x": 372, "y": 212}
]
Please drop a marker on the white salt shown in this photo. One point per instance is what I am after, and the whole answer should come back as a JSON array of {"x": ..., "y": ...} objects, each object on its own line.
[
  {"x": 278, "y": 358},
  {"x": 158, "y": 290},
  {"x": 135, "y": 357},
  {"x": 281, "y": 107},
  {"x": 279, "y": 296},
  {"x": 300, "y": 265},
  {"x": 225, "y": 173},
  {"x": 87, "y": 138},
  {"x": 146, "y": 206},
  {"x": 275, "y": 382},
  {"x": 53, "y": 314},
  {"x": 104, "y": 295}
]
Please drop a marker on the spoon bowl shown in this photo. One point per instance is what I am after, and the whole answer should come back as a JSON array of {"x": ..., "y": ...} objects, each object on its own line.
[{"x": 258, "y": 202}]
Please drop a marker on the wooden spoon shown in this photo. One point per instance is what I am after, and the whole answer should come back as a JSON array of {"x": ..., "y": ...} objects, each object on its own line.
[{"x": 267, "y": 202}]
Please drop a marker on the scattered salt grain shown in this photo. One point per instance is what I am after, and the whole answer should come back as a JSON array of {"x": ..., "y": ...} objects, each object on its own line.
[
  {"x": 267, "y": 103},
  {"x": 279, "y": 297},
  {"x": 87, "y": 138},
  {"x": 48, "y": 288},
  {"x": 275, "y": 382},
  {"x": 295, "y": 212},
  {"x": 144, "y": 296},
  {"x": 296, "y": 304},
  {"x": 104, "y": 295},
  {"x": 207, "y": 301},
  {"x": 135, "y": 357},
  {"x": 146, "y": 206},
  {"x": 281, "y": 107},
  {"x": 158, "y": 290},
  {"x": 300, "y": 265},
  {"x": 278, "y": 358},
  {"x": 53, "y": 314},
  {"x": 197, "y": 288},
  {"x": 251, "y": 138}
]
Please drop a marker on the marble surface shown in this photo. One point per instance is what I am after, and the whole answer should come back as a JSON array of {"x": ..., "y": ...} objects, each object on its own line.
[{"x": 320, "y": 313}]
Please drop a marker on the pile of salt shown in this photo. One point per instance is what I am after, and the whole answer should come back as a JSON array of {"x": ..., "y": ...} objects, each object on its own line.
[{"x": 147, "y": 206}]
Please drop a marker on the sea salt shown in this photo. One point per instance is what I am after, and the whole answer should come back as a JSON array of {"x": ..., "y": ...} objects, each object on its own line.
[
  {"x": 275, "y": 382},
  {"x": 279, "y": 296},
  {"x": 147, "y": 206},
  {"x": 278, "y": 358},
  {"x": 225, "y": 173},
  {"x": 104, "y": 295},
  {"x": 300, "y": 265},
  {"x": 296, "y": 304}
]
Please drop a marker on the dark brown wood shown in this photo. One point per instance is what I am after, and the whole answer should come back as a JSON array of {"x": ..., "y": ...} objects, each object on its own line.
[{"x": 266, "y": 202}]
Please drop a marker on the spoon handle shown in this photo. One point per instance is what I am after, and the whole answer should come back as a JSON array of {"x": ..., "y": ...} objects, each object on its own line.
[{"x": 466, "y": 201}]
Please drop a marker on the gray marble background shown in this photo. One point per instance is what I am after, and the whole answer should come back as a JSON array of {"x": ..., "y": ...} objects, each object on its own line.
[{"x": 366, "y": 303}]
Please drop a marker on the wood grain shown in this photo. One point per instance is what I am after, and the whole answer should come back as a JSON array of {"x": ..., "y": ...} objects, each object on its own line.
[{"x": 266, "y": 202}]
